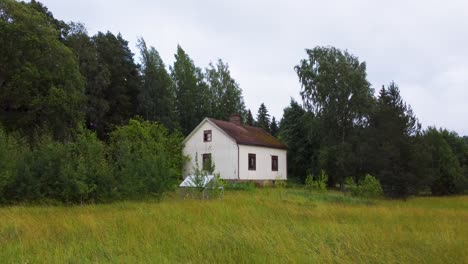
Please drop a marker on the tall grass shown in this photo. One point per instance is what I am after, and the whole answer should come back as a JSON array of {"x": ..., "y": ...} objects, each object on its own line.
[{"x": 256, "y": 226}]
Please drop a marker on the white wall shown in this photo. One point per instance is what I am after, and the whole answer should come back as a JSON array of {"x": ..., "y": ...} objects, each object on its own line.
[
  {"x": 223, "y": 151},
  {"x": 263, "y": 169}
]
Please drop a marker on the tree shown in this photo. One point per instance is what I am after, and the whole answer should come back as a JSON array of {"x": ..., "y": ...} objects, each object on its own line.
[
  {"x": 120, "y": 84},
  {"x": 274, "y": 127},
  {"x": 336, "y": 91},
  {"x": 249, "y": 120},
  {"x": 225, "y": 94},
  {"x": 42, "y": 89},
  {"x": 445, "y": 167},
  {"x": 191, "y": 90},
  {"x": 96, "y": 74},
  {"x": 263, "y": 118},
  {"x": 299, "y": 131},
  {"x": 156, "y": 97},
  {"x": 61, "y": 27},
  {"x": 394, "y": 128}
]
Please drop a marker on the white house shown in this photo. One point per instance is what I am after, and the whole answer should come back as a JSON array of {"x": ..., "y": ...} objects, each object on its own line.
[{"x": 239, "y": 152}]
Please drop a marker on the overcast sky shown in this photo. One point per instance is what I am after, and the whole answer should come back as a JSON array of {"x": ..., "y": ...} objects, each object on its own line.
[{"x": 421, "y": 45}]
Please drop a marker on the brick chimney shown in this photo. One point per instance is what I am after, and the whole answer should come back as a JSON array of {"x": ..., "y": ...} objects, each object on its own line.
[{"x": 236, "y": 119}]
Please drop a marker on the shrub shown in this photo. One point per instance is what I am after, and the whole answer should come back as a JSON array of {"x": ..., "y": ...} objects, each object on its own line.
[
  {"x": 88, "y": 170},
  {"x": 40, "y": 173},
  {"x": 368, "y": 187},
  {"x": 145, "y": 158},
  {"x": 318, "y": 183},
  {"x": 75, "y": 172},
  {"x": 12, "y": 150}
]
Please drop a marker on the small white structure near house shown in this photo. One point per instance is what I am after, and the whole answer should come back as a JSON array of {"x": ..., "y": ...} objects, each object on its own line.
[
  {"x": 239, "y": 152},
  {"x": 190, "y": 181},
  {"x": 200, "y": 187}
]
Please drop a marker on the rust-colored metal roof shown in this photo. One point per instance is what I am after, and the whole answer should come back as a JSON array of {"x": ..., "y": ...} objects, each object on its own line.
[{"x": 249, "y": 135}]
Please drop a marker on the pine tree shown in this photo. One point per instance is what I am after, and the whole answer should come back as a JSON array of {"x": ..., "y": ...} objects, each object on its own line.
[
  {"x": 156, "y": 97},
  {"x": 393, "y": 127},
  {"x": 263, "y": 118},
  {"x": 250, "y": 121},
  {"x": 120, "y": 90},
  {"x": 274, "y": 127}
]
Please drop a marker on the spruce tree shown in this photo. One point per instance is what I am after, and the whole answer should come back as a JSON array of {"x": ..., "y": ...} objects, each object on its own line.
[
  {"x": 156, "y": 98},
  {"x": 274, "y": 127},
  {"x": 250, "y": 121},
  {"x": 263, "y": 118}
]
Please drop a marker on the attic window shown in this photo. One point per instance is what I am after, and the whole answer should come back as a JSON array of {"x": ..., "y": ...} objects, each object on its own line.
[
  {"x": 207, "y": 136},
  {"x": 252, "y": 161},
  {"x": 274, "y": 163}
]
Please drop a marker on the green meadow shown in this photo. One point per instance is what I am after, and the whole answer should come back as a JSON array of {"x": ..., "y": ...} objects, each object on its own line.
[{"x": 265, "y": 225}]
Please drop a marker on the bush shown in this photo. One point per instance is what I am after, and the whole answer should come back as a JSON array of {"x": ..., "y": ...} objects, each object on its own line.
[
  {"x": 368, "y": 187},
  {"x": 145, "y": 158},
  {"x": 318, "y": 183},
  {"x": 88, "y": 169},
  {"x": 75, "y": 172},
  {"x": 142, "y": 158},
  {"x": 12, "y": 150}
]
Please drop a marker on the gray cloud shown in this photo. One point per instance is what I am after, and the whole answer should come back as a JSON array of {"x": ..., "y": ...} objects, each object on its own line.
[{"x": 421, "y": 45}]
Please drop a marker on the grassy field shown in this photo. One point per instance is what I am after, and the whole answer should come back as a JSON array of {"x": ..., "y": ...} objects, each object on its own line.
[{"x": 264, "y": 225}]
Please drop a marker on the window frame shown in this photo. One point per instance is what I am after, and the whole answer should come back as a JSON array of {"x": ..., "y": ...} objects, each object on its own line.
[
  {"x": 273, "y": 159},
  {"x": 205, "y": 135},
  {"x": 254, "y": 157}
]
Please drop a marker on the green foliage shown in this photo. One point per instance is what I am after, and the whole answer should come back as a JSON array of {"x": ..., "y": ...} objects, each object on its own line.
[
  {"x": 249, "y": 120},
  {"x": 11, "y": 152},
  {"x": 368, "y": 187},
  {"x": 156, "y": 98},
  {"x": 394, "y": 130},
  {"x": 88, "y": 169},
  {"x": 191, "y": 91},
  {"x": 274, "y": 127},
  {"x": 119, "y": 86},
  {"x": 72, "y": 173},
  {"x": 225, "y": 94},
  {"x": 215, "y": 187},
  {"x": 299, "y": 131},
  {"x": 199, "y": 176},
  {"x": 317, "y": 183},
  {"x": 263, "y": 118},
  {"x": 42, "y": 90},
  {"x": 447, "y": 170},
  {"x": 336, "y": 91},
  {"x": 146, "y": 159}
]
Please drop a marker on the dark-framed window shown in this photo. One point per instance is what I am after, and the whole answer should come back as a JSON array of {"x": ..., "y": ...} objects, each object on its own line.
[
  {"x": 252, "y": 161},
  {"x": 207, "y": 136},
  {"x": 206, "y": 159},
  {"x": 274, "y": 163}
]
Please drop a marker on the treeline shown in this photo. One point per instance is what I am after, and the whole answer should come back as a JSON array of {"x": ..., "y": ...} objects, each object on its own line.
[
  {"x": 343, "y": 129},
  {"x": 67, "y": 100},
  {"x": 55, "y": 76}
]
